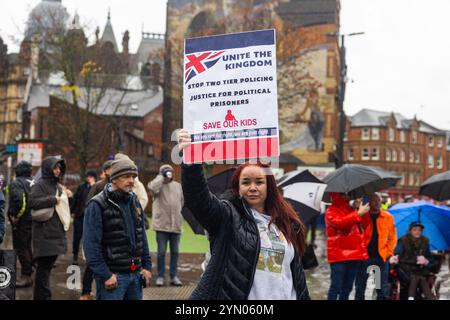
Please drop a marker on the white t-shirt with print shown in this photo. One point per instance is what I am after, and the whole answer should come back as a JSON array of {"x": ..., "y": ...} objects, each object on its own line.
[{"x": 273, "y": 276}]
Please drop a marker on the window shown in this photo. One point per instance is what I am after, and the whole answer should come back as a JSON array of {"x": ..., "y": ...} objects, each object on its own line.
[
  {"x": 411, "y": 178},
  {"x": 440, "y": 141},
  {"x": 19, "y": 115},
  {"x": 394, "y": 155},
  {"x": 402, "y": 136},
  {"x": 150, "y": 151},
  {"x": 418, "y": 179},
  {"x": 350, "y": 154},
  {"x": 411, "y": 157},
  {"x": 375, "y": 134},
  {"x": 345, "y": 135},
  {"x": 430, "y": 161},
  {"x": 414, "y": 137},
  {"x": 430, "y": 140},
  {"x": 439, "y": 162},
  {"x": 402, "y": 181},
  {"x": 417, "y": 157},
  {"x": 375, "y": 154},
  {"x": 391, "y": 134},
  {"x": 365, "y": 134},
  {"x": 365, "y": 154},
  {"x": 388, "y": 154},
  {"x": 402, "y": 155}
]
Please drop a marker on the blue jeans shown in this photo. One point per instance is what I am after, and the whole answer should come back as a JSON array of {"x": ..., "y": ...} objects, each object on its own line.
[
  {"x": 129, "y": 288},
  {"x": 361, "y": 279},
  {"x": 174, "y": 240},
  {"x": 342, "y": 277}
]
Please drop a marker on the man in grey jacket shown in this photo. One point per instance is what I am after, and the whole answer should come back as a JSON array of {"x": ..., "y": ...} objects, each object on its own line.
[{"x": 167, "y": 220}]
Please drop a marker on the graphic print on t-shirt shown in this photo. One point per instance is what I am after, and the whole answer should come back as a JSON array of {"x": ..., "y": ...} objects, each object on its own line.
[{"x": 273, "y": 246}]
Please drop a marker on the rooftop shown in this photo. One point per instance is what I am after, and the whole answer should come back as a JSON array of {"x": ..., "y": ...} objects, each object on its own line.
[
  {"x": 133, "y": 103},
  {"x": 375, "y": 118}
]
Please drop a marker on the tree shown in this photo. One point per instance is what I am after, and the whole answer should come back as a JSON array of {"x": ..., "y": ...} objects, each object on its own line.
[{"x": 94, "y": 83}]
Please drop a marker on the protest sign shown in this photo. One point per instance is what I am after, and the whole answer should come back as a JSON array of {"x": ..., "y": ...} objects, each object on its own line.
[{"x": 230, "y": 97}]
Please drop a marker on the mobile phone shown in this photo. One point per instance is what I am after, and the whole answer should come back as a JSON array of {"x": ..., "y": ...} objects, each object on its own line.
[{"x": 365, "y": 200}]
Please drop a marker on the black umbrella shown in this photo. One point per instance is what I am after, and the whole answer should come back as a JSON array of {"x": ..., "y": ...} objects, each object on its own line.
[
  {"x": 304, "y": 191},
  {"x": 437, "y": 187},
  {"x": 218, "y": 184},
  {"x": 357, "y": 180}
]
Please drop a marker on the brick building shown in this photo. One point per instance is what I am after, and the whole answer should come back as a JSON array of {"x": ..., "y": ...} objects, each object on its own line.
[
  {"x": 136, "y": 131},
  {"x": 412, "y": 148}
]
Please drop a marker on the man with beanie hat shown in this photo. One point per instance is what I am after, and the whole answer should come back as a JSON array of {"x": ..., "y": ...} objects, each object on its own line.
[
  {"x": 138, "y": 188},
  {"x": 167, "y": 221},
  {"x": 20, "y": 217},
  {"x": 115, "y": 242},
  {"x": 78, "y": 204}
]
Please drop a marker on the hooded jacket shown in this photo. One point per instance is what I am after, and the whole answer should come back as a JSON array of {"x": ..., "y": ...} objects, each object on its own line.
[
  {"x": 234, "y": 242},
  {"x": 19, "y": 193},
  {"x": 345, "y": 233},
  {"x": 49, "y": 237},
  {"x": 167, "y": 203}
]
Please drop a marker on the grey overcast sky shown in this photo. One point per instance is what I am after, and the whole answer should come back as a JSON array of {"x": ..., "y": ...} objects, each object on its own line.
[{"x": 400, "y": 64}]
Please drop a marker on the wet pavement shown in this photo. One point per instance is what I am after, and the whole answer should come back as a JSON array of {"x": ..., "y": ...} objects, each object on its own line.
[
  {"x": 190, "y": 272},
  {"x": 318, "y": 280}
]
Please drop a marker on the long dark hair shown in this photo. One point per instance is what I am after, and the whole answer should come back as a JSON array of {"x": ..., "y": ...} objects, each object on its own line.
[{"x": 281, "y": 212}]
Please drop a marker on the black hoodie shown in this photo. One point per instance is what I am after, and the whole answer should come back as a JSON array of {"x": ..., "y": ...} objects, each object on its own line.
[{"x": 19, "y": 193}]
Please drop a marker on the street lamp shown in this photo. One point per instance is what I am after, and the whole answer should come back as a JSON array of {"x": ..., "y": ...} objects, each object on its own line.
[{"x": 341, "y": 94}]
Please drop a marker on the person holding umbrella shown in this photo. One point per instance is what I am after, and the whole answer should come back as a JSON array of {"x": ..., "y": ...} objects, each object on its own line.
[
  {"x": 236, "y": 270},
  {"x": 346, "y": 247}
]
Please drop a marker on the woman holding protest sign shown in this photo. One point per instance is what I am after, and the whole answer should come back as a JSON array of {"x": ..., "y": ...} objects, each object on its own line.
[{"x": 241, "y": 265}]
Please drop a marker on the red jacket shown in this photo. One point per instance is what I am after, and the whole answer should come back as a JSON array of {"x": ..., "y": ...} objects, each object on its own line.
[{"x": 345, "y": 233}]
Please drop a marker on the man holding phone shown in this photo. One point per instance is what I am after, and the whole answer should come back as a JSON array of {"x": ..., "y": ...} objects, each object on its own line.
[
  {"x": 167, "y": 221},
  {"x": 381, "y": 237}
]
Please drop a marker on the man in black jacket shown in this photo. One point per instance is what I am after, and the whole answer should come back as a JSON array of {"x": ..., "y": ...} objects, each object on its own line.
[
  {"x": 20, "y": 218},
  {"x": 77, "y": 209}
]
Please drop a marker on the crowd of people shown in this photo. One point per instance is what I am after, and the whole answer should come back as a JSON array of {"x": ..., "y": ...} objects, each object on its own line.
[
  {"x": 108, "y": 221},
  {"x": 365, "y": 236},
  {"x": 257, "y": 240}
]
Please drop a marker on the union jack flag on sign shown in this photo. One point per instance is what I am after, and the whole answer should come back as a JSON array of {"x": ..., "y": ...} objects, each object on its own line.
[{"x": 199, "y": 63}]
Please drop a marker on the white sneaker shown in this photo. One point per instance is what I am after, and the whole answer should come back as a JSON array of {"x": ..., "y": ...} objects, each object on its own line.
[
  {"x": 159, "y": 282},
  {"x": 410, "y": 298}
]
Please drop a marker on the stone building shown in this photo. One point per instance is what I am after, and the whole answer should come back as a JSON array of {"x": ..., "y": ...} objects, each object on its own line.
[{"x": 31, "y": 90}]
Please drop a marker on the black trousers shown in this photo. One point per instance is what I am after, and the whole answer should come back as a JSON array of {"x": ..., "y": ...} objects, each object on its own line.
[
  {"x": 22, "y": 245},
  {"x": 88, "y": 277},
  {"x": 77, "y": 234},
  {"x": 42, "y": 282}
]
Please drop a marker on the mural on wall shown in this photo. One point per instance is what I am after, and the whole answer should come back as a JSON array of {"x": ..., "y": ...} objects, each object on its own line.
[{"x": 306, "y": 55}]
